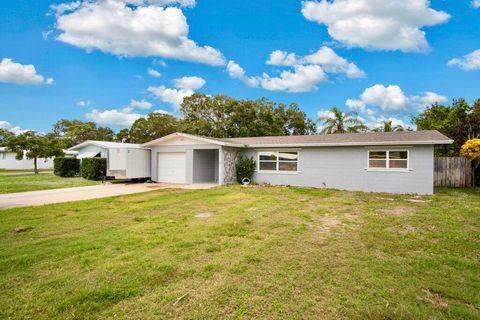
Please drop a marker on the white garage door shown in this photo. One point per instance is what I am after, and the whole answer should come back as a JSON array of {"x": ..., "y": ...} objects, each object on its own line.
[{"x": 171, "y": 167}]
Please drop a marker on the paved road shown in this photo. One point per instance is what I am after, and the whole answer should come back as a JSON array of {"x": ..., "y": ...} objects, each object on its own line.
[{"x": 37, "y": 198}]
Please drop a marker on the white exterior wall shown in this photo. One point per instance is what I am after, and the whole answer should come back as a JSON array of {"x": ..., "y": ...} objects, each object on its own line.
[
  {"x": 8, "y": 162},
  {"x": 124, "y": 163},
  {"x": 189, "y": 157},
  {"x": 138, "y": 163},
  {"x": 205, "y": 166},
  {"x": 117, "y": 159},
  {"x": 346, "y": 168}
]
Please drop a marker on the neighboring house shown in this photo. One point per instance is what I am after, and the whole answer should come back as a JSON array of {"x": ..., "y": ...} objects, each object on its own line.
[
  {"x": 124, "y": 160},
  {"x": 393, "y": 162},
  {"x": 9, "y": 162}
]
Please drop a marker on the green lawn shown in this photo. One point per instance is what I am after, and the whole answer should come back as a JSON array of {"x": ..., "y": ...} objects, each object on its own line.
[
  {"x": 43, "y": 181},
  {"x": 233, "y": 252}
]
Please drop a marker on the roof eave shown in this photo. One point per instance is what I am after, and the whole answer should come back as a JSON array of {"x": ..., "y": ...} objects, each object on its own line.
[
  {"x": 349, "y": 144},
  {"x": 190, "y": 136}
]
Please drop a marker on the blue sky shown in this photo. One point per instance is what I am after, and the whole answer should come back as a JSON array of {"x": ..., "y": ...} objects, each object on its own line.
[{"x": 91, "y": 59}]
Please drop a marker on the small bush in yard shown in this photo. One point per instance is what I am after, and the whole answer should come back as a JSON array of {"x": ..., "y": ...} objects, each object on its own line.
[
  {"x": 94, "y": 168},
  {"x": 66, "y": 167},
  {"x": 245, "y": 168}
]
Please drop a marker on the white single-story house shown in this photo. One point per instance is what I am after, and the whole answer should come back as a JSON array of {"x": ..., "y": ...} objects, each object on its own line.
[
  {"x": 393, "y": 162},
  {"x": 124, "y": 160},
  {"x": 9, "y": 162}
]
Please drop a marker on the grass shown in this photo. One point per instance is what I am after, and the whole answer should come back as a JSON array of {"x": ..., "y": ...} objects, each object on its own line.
[
  {"x": 233, "y": 252},
  {"x": 44, "y": 181}
]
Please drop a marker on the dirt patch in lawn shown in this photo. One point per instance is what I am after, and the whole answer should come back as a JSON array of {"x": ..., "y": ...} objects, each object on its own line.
[
  {"x": 22, "y": 229},
  {"x": 203, "y": 215},
  {"x": 434, "y": 298},
  {"x": 397, "y": 211}
]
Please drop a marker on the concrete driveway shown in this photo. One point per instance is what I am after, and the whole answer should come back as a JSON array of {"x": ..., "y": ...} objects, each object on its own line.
[{"x": 37, "y": 198}]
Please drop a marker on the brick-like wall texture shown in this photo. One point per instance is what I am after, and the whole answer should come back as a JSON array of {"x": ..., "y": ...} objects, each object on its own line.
[{"x": 230, "y": 159}]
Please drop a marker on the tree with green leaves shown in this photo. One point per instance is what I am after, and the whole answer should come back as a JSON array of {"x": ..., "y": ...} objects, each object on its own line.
[
  {"x": 34, "y": 146},
  {"x": 154, "y": 126},
  {"x": 76, "y": 131},
  {"x": 458, "y": 121},
  {"x": 5, "y": 135},
  {"x": 387, "y": 126},
  {"x": 123, "y": 135},
  {"x": 338, "y": 121},
  {"x": 225, "y": 117}
]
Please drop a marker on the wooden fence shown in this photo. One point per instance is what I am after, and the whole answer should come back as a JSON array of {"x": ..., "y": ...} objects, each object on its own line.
[{"x": 453, "y": 172}]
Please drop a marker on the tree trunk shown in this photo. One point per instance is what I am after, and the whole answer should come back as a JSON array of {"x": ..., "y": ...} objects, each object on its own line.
[{"x": 35, "y": 169}]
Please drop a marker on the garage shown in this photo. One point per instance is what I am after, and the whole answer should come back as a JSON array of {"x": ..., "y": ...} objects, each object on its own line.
[{"x": 171, "y": 167}]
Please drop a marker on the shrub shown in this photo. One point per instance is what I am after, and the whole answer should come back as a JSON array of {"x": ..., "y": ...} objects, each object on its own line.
[
  {"x": 471, "y": 150},
  {"x": 94, "y": 168},
  {"x": 66, "y": 167},
  {"x": 245, "y": 168}
]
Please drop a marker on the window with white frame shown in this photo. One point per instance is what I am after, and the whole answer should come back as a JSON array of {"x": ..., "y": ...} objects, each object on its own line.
[
  {"x": 388, "y": 159},
  {"x": 282, "y": 161},
  {"x": 3, "y": 156}
]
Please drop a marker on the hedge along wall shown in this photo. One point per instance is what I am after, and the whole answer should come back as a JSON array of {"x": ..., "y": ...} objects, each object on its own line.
[
  {"x": 66, "y": 167},
  {"x": 94, "y": 168}
]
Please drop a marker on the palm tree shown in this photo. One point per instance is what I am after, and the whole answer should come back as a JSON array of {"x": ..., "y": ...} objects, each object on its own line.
[
  {"x": 341, "y": 122},
  {"x": 387, "y": 126}
]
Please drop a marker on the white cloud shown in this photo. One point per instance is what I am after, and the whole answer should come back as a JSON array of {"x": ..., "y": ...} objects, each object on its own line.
[
  {"x": 476, "y": 4},
  {"x": 61, "y": 8},
  {"x": 378, "y": 121},
  {"x": 172, "y": 96},
  {"x": 140, "y": 104},
  {"x": 123, "y": 117},
  {"x": 161, "y": 111},
  {"x": 13, "y": 129},
  {"x": 154, "y": 73},
  {"x": 237, "y": 72},
  {"x": 161, "y": 63},
  {"x": 84, "y": 103},
  {"x": 376, "y": 24},
  {"x": 324, "y": 114},
  {"x": 325, "y": 57},
  {"x": 163, "y": 3},
  {"x": 392, "y": 99},
  {"x": 185, "y": 87},
  {"x": 389, "y": 98},
  {"x": 302, "y": 79},
  {"x": 192, "y": 83},
  {"x": 16, "y": 73},
  {"x": 282, "y": 58},
  {"x": 468, "y": 62},
  {"x": 117, "y": 27},
  {"x": 359, "y": 106},
  {"x": 305, "y": 72},
  {"x": 427, "y": 99}
]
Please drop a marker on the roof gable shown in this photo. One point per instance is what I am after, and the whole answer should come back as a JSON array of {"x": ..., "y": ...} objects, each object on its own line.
[
  {"x": 105, "y": 144},
  {"x": 179, "y": 138}
]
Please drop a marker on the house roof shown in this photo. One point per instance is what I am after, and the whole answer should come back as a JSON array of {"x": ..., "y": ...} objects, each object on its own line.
[
  {"x": 427, "y": 137},
  {"x": 217, "y": 141},
  {"x": 106, "y": 144},
  {"x": 347, "y": 139}
]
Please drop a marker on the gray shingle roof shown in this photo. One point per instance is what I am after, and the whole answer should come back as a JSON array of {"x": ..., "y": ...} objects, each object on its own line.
[{"x": 370, "y": 138}]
